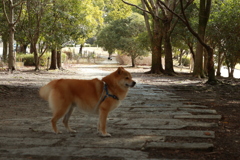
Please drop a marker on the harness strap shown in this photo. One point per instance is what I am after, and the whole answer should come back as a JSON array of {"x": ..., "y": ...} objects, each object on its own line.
[
  {"x": 101, "y": 99},
  {"x": 107, "y": 94}
]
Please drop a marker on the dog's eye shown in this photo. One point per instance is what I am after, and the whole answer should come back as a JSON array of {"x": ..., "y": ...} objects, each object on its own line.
[{"x": 126, "y": 78}]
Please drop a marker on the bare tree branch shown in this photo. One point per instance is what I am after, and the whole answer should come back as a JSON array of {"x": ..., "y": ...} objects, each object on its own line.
[
  {"x": 4, "y": 10},
  {"x": 136, "y": 6},
  {"x": 163, "y": 10},
  {"x": 146, "y": 18},
  {"x": 152, "y": 3},
  {"x": 160, "y": 3},
  {"x": 144, "y": 10},
  {"x": 185, "y": 20},
  {"x": 19, "y": 3},
  {"x": 20, "y": 13},
  {"x": 149, "y": 8}
]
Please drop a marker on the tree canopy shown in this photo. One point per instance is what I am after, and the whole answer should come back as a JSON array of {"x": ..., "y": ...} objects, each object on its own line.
[
  {"x": 127, "y": 35},
  {"x": 224, "y": 31}
]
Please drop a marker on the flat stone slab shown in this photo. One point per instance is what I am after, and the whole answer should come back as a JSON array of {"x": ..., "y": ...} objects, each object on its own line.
[
  {"x": 169, "y": 133},
  {"x": 77, "y": 152},
  {"x": 161, "y": 123},
  {"x": 149, "y": 109},
  {"x": 198, "y": 116},
  {"x": 198, "y": 110},
  {"x": 178, "y": 145},
  {"x": 149, "y": 105},
  {"x": 193, "y": 106},
  {"x": 26, "y": 141}
]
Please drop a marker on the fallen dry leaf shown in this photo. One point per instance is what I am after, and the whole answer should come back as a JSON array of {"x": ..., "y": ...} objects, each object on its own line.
[{"x": 207, "y": 133}]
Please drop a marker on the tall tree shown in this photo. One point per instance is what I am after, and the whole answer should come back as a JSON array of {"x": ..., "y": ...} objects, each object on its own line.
[
  {"x": 209, "y": 49},
  {"x": 161, "y": 30},
  {"x": 204, "y": 13},
  {"x": 153, "y": 24},
  {"x": 35, "y": 13},
  {"x": 12, "y": 21},
  {"x": 127, "y": 35},
  {"x": 70, "y": 21},
  {"x": 4, "y": 33},
  {"x": 225, "y": 36},
  {"x": 168, "y": 26}
]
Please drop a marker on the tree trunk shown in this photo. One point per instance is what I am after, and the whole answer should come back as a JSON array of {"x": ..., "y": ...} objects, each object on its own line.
[
  {"x": 180, "y": 57},
  {"x": 192, "y": 51},
  {"x": 210, "y": 66},
  {"x": 205, "y": 6},
  {"x": 5, "y": 50},
  {"x": 168, "y": 50},
  {"x": 230, "y": 74},
  {"x": 156, "y": 55},
  {"x": 59, "y": 60},
  {"x": 198, "y": 62},
  {"x": 205, "y": 62},
  {"x": 220, "y": 60},
  {"x": 156, "y": 47},
  {"x": 133, "y": 61},
  {"x": 53, "y": 60},
  {"x": 168, "y": 57},
  {"x": 232, "y": 65},
  {"x": 11, "y": 24},
  {"x": 35, "y": 54},
  {"x": 11, "y": 55},
  {"x": 80, "y": 50},
  {"x": 23, "y": 48},
  {"x": 155, "y": 36},
  {"x": 167, "y": 45}
]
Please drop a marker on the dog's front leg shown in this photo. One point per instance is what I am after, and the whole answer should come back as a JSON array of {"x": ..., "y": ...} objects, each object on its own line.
[{"x": 102, "y": 123}]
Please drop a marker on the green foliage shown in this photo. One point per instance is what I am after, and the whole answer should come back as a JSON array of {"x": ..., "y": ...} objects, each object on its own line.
[
  {"x": 185, "y": 61},
  {"x": 182, "y": 38},
  {"x": 224, "y": 30},
  {"x": 116, "y": 9},
  {"x": 60, "y": 21},
  {"x": 28, "y": 59},
  {"x": 127, "y": 35}
]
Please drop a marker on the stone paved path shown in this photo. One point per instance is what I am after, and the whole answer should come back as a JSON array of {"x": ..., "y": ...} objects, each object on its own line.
[{"x": 148, "y": 118}]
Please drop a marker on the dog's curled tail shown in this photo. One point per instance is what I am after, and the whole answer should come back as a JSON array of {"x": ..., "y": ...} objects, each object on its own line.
[{"x": 45, "y": 91}]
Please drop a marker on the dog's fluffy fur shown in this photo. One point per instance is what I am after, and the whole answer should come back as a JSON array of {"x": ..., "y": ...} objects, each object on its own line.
[{"x": 64, "y": 94}]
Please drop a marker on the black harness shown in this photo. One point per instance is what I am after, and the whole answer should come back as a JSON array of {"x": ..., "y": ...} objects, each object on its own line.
[
  {"x": 105, "y": 89},
  {"x": 107, "y": 94}
]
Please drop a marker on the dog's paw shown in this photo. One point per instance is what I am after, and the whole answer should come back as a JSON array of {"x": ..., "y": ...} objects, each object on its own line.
[
  {"x": 58, "y": 132},
  {"x": 106, "y": 135},
  {"x": 72, "y": 131}
]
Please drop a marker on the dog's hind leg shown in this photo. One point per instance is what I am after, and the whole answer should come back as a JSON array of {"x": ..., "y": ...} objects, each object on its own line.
[
  {"x": 56, "y": 117},
  {"x": 59, "y": 108},
  {"x": 67, "y": 116}
]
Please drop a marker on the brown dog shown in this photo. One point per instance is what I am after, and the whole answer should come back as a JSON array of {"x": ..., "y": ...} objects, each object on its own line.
[{"x": 92, "y": 96}]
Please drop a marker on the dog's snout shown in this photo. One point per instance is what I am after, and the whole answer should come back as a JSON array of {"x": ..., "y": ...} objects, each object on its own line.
[{"x": 133, "y": 83}]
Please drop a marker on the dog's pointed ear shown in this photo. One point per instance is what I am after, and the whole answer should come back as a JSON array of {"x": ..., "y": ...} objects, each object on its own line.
[{"x": 119, "y": 70}]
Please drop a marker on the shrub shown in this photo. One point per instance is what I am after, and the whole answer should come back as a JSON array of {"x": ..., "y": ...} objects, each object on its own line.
[
  {"x": 185, "y": 61},
  {"x": 28, "y": 59},
  {"x": 44, "y": 59}
]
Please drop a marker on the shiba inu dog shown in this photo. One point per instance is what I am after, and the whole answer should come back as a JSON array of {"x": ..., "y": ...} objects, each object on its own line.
[{"x": 91, "y": 96}]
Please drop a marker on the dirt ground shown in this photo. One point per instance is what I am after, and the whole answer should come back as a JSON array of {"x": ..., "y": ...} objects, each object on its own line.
[{"x": 224, "y": 98}]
